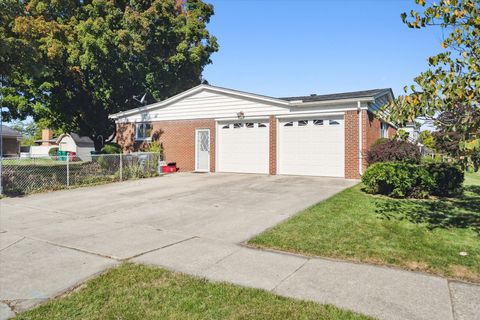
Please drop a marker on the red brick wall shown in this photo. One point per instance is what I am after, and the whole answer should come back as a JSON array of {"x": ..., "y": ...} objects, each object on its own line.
[
  {"x": 351, "y": 145},
  {"x": 177, "y": 139},
  {"x": 391, "y": 131},
  {"x": 373, "y": 132},
  {"x": 373, "y": 129},
  {"x": 273, "y": 146}
]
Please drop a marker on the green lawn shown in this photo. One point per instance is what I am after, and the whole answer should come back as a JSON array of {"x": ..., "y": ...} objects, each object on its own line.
[
  {"x": 424, "y": 235},
  {"x": 140, "y": 292}
]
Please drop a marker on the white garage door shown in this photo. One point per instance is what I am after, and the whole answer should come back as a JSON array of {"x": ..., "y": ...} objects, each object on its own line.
[
  {"x": 312, "y": 146},
  {"x": 243, "y": 147}
]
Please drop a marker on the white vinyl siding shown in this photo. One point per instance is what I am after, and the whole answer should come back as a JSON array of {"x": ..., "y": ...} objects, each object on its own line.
[
  {"x": 311, "y": 146},
  {"x": 213, "y": 105},
  {"x": 243, "y": 147}
]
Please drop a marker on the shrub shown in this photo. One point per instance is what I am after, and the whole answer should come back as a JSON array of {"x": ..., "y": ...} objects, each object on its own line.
[
  {"x": 398, "y": 180},
  {"x": 111, "y": 148},
  {"x": 394, "y": 150},
  {"x": 448, "y": 179},
  {"x": 53, "y": 152}
]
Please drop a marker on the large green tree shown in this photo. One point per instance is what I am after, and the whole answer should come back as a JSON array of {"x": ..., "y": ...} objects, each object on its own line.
[
  {"x": 451, "y": 85},
  {"x": 71, "y": 63}
]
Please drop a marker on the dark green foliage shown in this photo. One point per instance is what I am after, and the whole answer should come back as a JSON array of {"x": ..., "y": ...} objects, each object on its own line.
[
  {"x": 401, "y": 180},
  {"x": 398, "y": 180},
  {"x": 111, "y": 148},
  {"x": 448, "y": 179},
  {"x": 393, "y": 150},
  {"x": 70, "y": 64},
  {"x": 53, "y": 152}
]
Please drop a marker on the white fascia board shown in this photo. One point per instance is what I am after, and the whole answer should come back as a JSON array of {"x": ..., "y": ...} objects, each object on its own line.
[{"x": 195, "y": 90}]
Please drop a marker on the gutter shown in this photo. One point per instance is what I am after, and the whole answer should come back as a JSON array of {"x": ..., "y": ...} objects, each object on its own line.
[
  {"x": 300, "y": 103},
  {"x": 360, "y": 138}
]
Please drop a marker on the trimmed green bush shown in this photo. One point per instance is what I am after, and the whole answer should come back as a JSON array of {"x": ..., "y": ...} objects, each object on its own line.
[
  {"x": 398, "y": 180},
  {"x": 401, "y": 180},
  {"x": 448, "y": 179},
  {"x": 111, "y": 148},
  {"x": 385, "y": 150}
]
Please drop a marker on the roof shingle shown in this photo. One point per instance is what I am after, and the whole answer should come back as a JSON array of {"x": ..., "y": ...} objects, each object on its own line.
[{"x": 339, "y": 96}]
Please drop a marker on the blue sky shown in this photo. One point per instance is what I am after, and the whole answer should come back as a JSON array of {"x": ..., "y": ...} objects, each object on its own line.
[{"x": 295, "y": 47}]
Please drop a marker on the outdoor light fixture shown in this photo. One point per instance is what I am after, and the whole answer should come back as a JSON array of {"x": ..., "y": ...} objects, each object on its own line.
[{"x": 241, "y": 115}]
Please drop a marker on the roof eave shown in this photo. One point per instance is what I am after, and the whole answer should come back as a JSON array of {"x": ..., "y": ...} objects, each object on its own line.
[{"x": 329, "y": 102}]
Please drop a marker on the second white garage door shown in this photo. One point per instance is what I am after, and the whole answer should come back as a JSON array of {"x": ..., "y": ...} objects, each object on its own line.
[
  {"x": 243, "y": 147},
  {"x": 312, "y": 146}
]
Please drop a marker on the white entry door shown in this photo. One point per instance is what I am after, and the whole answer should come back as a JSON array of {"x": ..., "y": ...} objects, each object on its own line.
[
  {"x": 243, "y": 146},
  {"x": 202, "y": 150},
  {"x": 312, "y": 146}
]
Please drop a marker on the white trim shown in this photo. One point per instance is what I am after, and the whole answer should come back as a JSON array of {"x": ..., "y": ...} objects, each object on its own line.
[
  {"x": 310, "y": 115},
  {"x": 360, "y": 139},
  {"x": 329, "y": 102},
  {"x": 242, "y": 94},
  {"x": 277, "y": 145},
  {"x": 194, "y": 90},
  {"x": 240, "y": 120},
  {"x": 217, "y": 127},
  {"x": 135, "y": 129},
  {"x": 196, "y": 150}
]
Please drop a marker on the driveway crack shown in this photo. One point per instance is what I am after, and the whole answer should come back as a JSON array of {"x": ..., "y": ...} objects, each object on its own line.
[
  {"x": 290, "y": 275},
  {"x": 13, "y": 243},
  {"x": 163, "y": 247}
]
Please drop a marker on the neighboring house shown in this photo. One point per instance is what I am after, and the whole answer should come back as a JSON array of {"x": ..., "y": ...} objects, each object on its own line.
[
  {"x": 43, "y": 145},
  {"x": 213, "y": 129},
  {"x": 81, "y": 146},
  {"x": 413, "y": 130},
  {"x": 10, "y": 142},
  {"x": 70, "y": 142}
]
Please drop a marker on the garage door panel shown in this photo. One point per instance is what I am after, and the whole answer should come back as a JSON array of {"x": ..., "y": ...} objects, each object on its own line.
[
  {"x": 313, "y": 148},
  {"x": 243, "y": 149}
]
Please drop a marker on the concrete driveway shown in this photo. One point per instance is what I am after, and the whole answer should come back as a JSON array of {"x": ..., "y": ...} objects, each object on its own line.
[{"x": 51, "y": 242}]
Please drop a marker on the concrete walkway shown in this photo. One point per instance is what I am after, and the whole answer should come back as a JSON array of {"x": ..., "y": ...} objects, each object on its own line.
[{"x": 193, "y": 223}]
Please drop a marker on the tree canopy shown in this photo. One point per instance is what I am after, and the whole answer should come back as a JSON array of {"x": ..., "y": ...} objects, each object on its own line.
[
  {"x": 451, "y": 85},
  {"x": 71, "y": 63}
]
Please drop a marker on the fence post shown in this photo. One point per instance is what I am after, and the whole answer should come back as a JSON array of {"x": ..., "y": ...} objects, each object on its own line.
[
  {"x": 68, "y": 170},
  {"x": 121, "y": 167}
]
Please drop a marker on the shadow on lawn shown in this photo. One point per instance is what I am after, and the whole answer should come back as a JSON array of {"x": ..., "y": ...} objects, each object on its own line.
[{"x": 461, "y": 212}]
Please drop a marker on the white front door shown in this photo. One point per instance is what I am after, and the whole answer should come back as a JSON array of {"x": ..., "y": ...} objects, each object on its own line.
[{"x": 202, "y": 150}]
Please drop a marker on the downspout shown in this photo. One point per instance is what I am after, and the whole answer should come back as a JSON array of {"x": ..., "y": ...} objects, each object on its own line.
[{"x": 360, "y": 138}]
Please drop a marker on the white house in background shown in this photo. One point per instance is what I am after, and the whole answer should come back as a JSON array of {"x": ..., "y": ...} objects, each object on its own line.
[
  {"x": 72, "y": 142},
  {"x": 413, "y": 130},
  {"x": 43, "y": 145}
]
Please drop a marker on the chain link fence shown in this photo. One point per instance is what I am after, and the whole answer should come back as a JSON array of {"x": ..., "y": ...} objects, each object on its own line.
[{"x": 22, "y": 176}]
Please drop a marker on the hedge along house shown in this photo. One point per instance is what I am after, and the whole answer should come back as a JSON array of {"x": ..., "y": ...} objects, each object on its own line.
[{"x": 213, "y": 129}]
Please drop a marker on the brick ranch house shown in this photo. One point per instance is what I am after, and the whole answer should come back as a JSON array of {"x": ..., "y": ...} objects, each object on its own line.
[{"x": 213, "y": 129}]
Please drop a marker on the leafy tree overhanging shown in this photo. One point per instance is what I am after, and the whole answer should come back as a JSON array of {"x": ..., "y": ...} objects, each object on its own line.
[
  {"x": 71, "y": 63},
  {"x": 451, "y": 86}
]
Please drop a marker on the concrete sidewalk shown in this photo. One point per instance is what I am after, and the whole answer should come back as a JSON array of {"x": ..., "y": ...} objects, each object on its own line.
[
  {"x": 381, "y": 292},
  {"x": 51, "y": 242}
]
